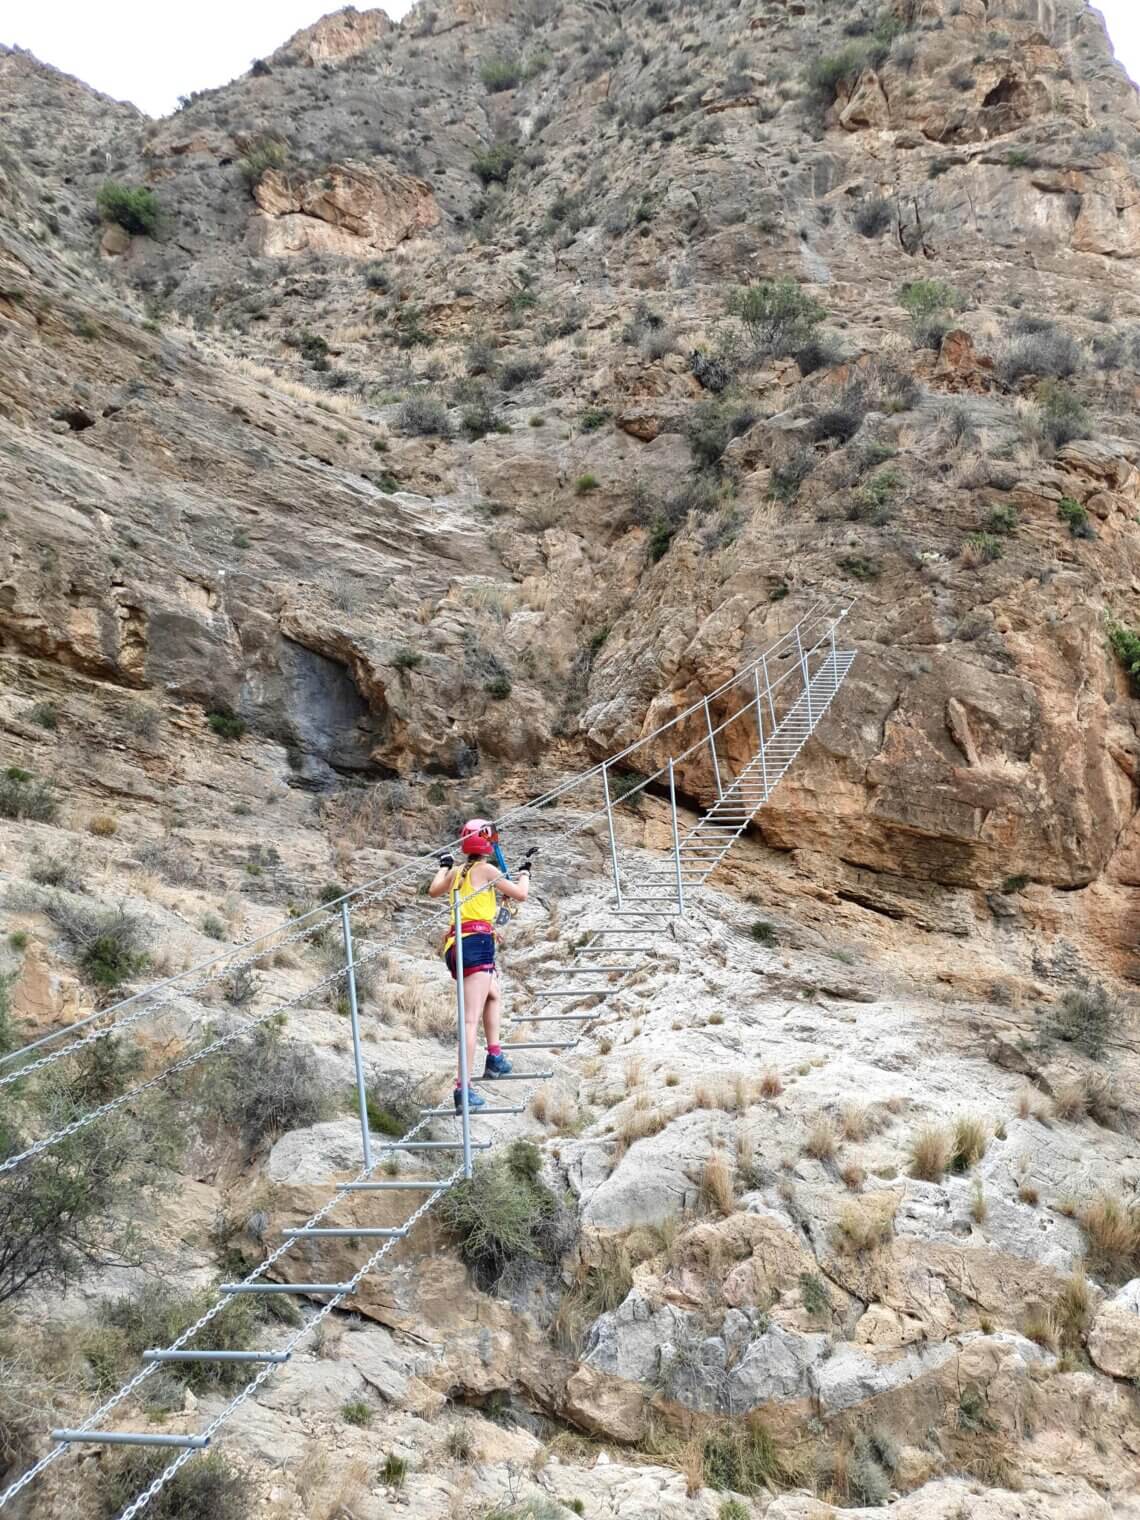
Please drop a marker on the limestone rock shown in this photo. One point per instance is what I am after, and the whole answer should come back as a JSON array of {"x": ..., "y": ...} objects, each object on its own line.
[
  {"x": 352, "y": 208},
  {"x": 1114, "y": 1336}
]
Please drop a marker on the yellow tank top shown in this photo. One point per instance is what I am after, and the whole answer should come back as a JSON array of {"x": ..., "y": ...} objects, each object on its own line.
[{"x": 479, "y": 908}]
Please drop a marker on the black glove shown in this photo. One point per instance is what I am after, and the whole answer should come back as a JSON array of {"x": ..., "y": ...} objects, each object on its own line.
[{"x": 447, "y": 861}]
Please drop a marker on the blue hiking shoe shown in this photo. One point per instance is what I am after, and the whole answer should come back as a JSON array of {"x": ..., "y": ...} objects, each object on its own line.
[
  {"x": 474, "y": 1100},
  {"x": 497, "y": 1066}
]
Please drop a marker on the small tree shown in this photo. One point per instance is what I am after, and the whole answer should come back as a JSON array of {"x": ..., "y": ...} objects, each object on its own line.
[
  {"x": 777, "y": 315},
  {"x": 132, "y": 207},
  {"x": 264, "y": 154}
]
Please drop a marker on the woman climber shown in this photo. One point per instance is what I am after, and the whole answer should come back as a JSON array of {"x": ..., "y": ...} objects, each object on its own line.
[{"x": 476, "y": 883}]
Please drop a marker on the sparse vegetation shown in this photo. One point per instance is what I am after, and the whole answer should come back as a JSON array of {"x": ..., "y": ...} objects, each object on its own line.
[
  {"x": 262, "y": 155},
  {"x": 1112, "y": 1230},
  {"x": 504, "y": 1216},
  {"x": 356, "y": 1412},
  {"x": 1075, "y": 517},
  {"x": 777, "y": 316},
  {"x": 23, "y": 796},
  {"x": 206, "y": 1489},
  {"x": 226, "y": 724},
  {"x": 931, "y": 1151},
  {"x": 863, "y": 1225},
  {"x": 969, "y": 1143},
  {"x": 423, "y": 417},
  {"x": 134, "y": 208},
  {"x": 1086, "y": 1017},
  {"x": 500, "y": 72},
  {"x": 1125, "y": 646},
  {"x": 494, "y": 165},
  {"x": 265, "y": 1086}
]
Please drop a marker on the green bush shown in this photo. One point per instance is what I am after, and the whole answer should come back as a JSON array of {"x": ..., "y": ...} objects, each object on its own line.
[
  {"x": 1064, "y": 415},
  {"x": 356, "y": 1412},
  {"x": 46, "y": 714},
  {"x": 585, "y": 484},
  {"x": 205, "y": 1489},
  {"x": 495, "y": 164},
  {"x": 925, "y": 298},
  {"x": 1086, "y": 1017},
  {"x": 984, "y": 548},
  {"x": 825, "y": 74},
  {"x": 72, "y": 1208},
  {"x": 265, "y": 1086},
  {"x": 157, "y": 1314},
  {"x": 407, "y": 659},
  {"x": 593, "y": 418},
  {"x": 500, "y": 72},
  {"x": 22, "y": 796},
  {"x": 110, "y": 943},
  {"x": 422, "y": 417},
  {"x": 225, "y": 724},
  {"x": 1072, "y": 513},
  {"x": 393, "y": 1470},
  {"x": 711, "y": 427},
  {"x": 1002, "y": 520},
  {"x": 1126, "y": 647},
  {"x": 503, "y": 1215},
  {"x": 498, "y": 687},
  {"x": 777, "y": 315},
  {"x": 265, "y": 154},
  {"x": 764, "y": 933},
  {"x": 741, "y": 1455},
  {"x": 135, "y": 209}
]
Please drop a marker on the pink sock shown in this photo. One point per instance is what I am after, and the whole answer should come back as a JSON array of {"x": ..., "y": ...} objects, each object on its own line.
[{"x": 494, "y": 1050}]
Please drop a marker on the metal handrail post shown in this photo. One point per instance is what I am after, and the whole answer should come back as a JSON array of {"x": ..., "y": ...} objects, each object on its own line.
[
  {"x": 354, "y": 1015},
  {"x": 464, "y": 1107},
  {"x": 676, "y": 839},
  {"x": 613, "y": 840},
  {"x": 807, "y": 678},
  {"x": 712, "y": 746},
  {"x": 834, "y": 656},
  {"x": 768, "y": 689},
  {"x": 759, "y": 709}
]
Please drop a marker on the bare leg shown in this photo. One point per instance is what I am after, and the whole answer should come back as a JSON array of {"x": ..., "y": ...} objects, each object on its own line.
[
  {"x": 475, "y": 990},
  {"x": 493, "y": 1011}
]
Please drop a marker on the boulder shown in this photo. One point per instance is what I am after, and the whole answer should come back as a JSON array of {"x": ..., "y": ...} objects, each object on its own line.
[
  {"x": 352, "y": 208},
  {"x": 1114, "y": 1339}
]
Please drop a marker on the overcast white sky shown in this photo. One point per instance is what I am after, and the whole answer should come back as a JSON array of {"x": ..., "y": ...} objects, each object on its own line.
[{"x": 150, "y": 52}]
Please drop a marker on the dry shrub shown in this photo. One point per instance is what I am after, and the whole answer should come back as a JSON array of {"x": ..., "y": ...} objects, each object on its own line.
[
  {"x": 540, "y": 1106},
  {"x": 704, "y": 1097},
  {"x": 634, "y": 1072},
  {"x": 863, "y": 1226},
  {"x": 1073, "y": 1309},
  {"x": 855, "y": 1120},
  {"x": 692, "y": 1464},
  {"x": 716, "y": 1192},
  {"x": 103, "y": 825},
  {"x": 1112, "y": 1229},
  {"x": 853, "y": 1176},
  {"x": 1027, "y": 1193},
  {"x": 427, "y": 1008},
  {"x": 930, "y": 1153},
  {"x": 1069, "y": 1102},
  {"x": 639, "y": 1125},
  {"x": 770, "y": 1084},
  {"x": 970, "y": 1141},
  {"x": 822, "y": 1141}
]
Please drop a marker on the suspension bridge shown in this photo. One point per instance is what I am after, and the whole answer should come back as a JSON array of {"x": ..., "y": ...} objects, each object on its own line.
[{"x": 735, "y": 743}]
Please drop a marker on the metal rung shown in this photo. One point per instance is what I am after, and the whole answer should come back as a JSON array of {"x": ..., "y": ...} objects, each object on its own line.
[
  {"x": 513, "y": 1076},
  {"x": 614, "y": 950},
  {"x": 422, "y": 1186},
  {"x": 599, "y": 932},
  {"x": 579, "y": 992},
  {"x": 556, "y": 1018},
  {"x": 434, "y": 1145},
  {"x": 343, "y": 1232},
  {"x": 476, "y": 1113},
  {"x": 130, "y": 1438},
  {"x": 593, "y": 970},
  {"x": 216, "y": 1356},
  {"x": 273, "y": 1287},
  {"x": 541, "y": 1045}
]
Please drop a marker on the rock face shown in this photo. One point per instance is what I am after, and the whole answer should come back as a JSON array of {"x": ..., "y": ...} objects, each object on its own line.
[
  {"x": 416, "y": 455},
  {"x": 350, "y": 209}
]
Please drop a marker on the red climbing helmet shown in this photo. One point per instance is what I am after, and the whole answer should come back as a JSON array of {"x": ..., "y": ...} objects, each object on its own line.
[{"x": 478, "y": 837}]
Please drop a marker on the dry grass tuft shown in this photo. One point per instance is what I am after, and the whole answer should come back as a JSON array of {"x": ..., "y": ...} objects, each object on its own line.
[
  {"x": 103, "y": 825},
  {"x": 716, "y": 1191},
  {"x": 1040, "y": 1325},
  {"x": 770, "y": 1084},
  {"x": 1112, "y": 1229},
  {"x": 1069, "y": 1101},
  {"x": 1027, "y": 1193},
  {"x": 853, "y": 1176},
  {"x": 822, "y": 1140},
  {"x": 970, "y": 1141},
  {"x": 634, "y": 1072},
  {"x": 930, "y": 1153},
  {"x": 864, "y": 1226},
  {"x": 1073, "y": 1309},
  {"x": 639, "y": 1125},
  {"x": 856, "y": 1122}
]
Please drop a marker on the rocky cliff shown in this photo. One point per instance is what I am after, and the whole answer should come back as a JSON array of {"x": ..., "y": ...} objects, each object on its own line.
[{"x": 440, "y": 406}]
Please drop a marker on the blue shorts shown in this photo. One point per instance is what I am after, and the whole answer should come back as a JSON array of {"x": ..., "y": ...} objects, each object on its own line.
[{"x": 478, "y": 955}]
